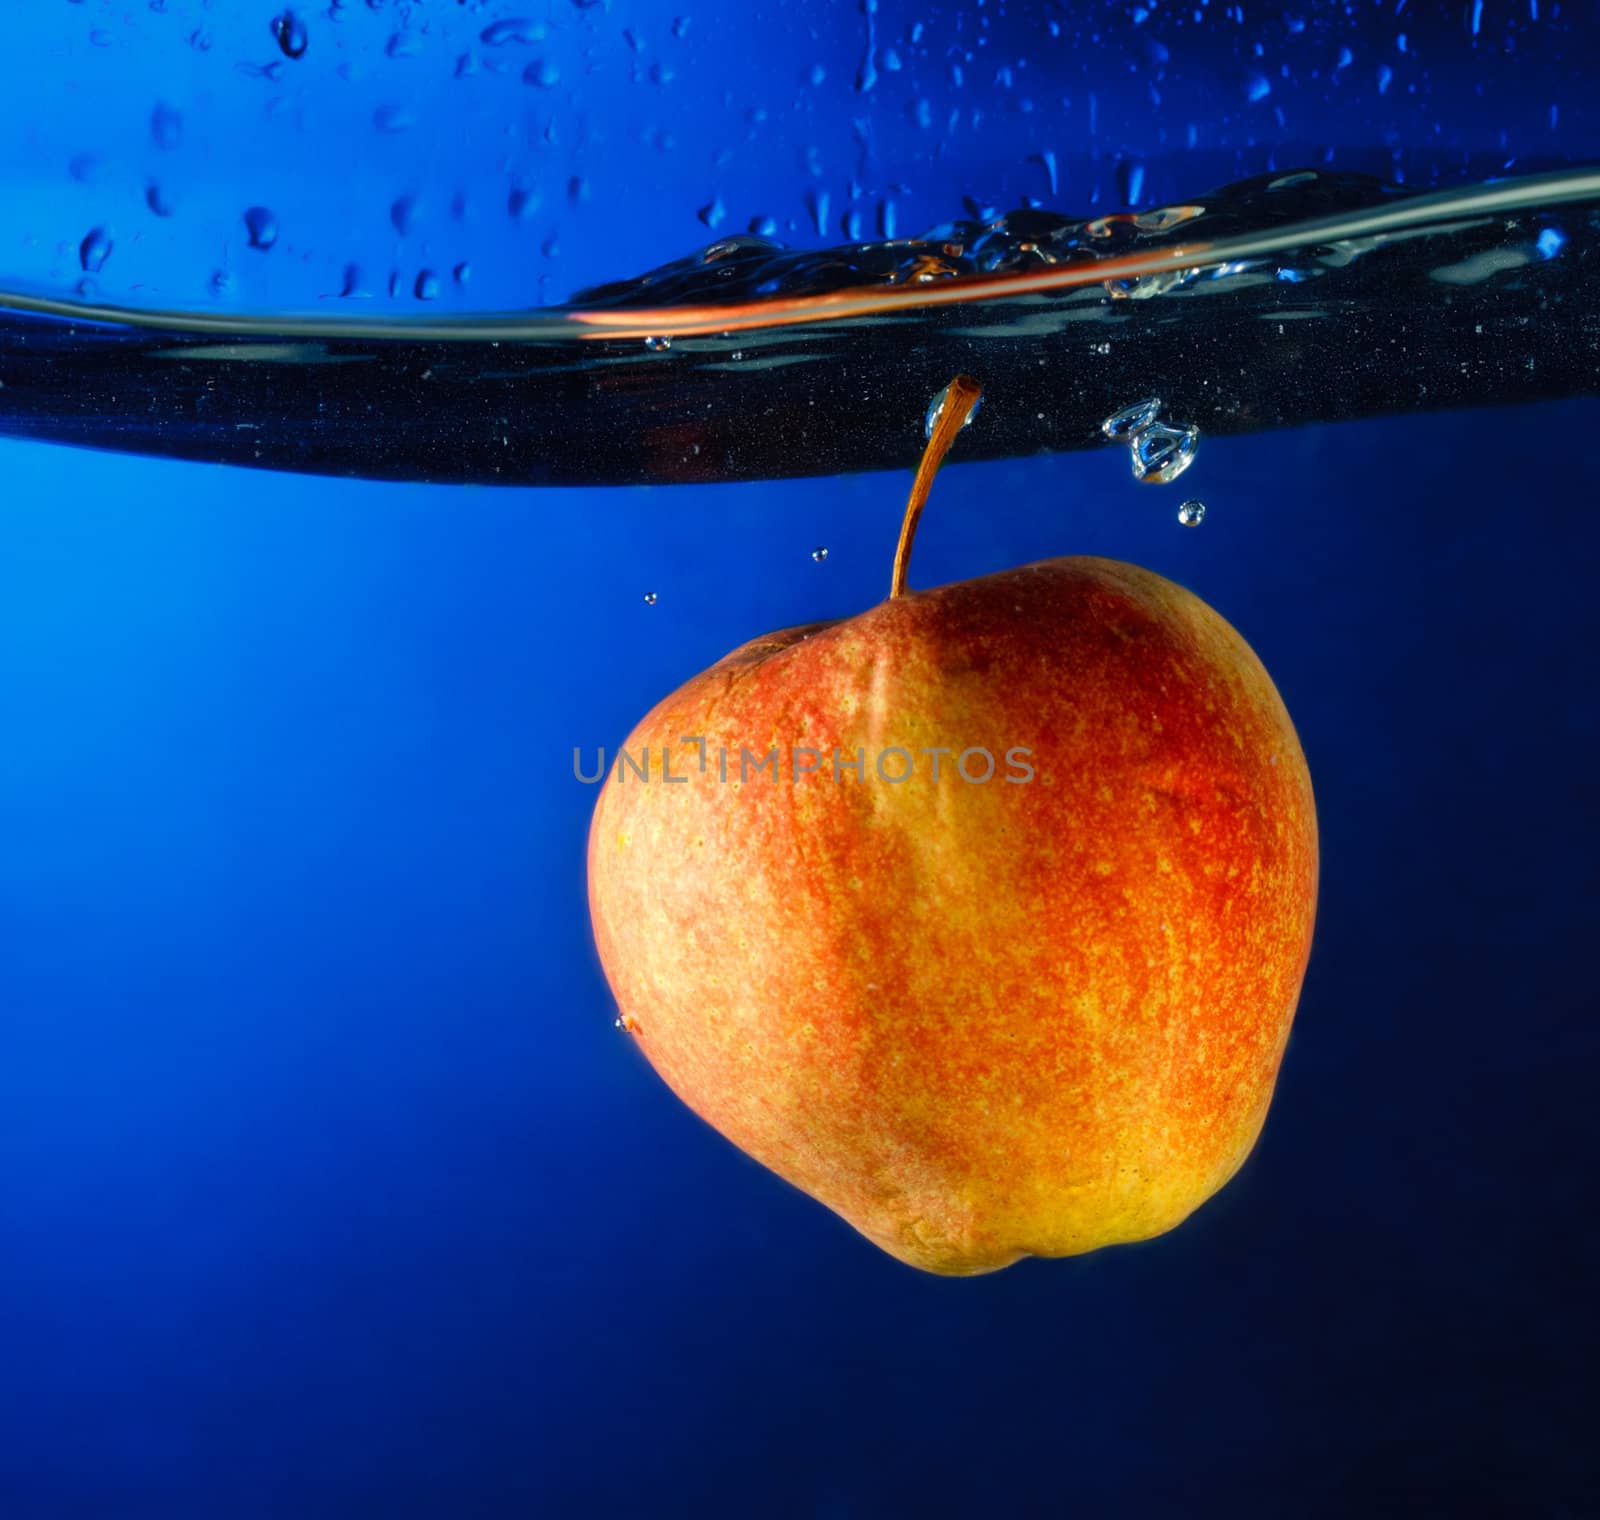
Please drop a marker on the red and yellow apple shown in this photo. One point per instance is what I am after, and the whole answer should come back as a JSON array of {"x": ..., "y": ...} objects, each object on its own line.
[{"x": 1033, "y": 1004}]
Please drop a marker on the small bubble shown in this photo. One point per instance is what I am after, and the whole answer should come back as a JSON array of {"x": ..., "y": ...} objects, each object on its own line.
[
  {"x": 290, "y": 31},
  {"x": 936, "y": 407},
  {"x": 262, "y": 227},
  {"x": 94, "y": 250},
  {"x": 649, "y": 599},
  {"x": 427, "y": 286},
  {"x": 462, "y": 273},
  {"x": 1192, "y": 513},
  {"x": 820, "y": 553},
  {"x": 658, "y": 345},
  {"x": 221, "y": 283}
]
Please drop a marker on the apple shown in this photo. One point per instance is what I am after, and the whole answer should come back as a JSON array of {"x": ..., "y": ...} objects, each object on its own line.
[{"x": 980, "y": 916}]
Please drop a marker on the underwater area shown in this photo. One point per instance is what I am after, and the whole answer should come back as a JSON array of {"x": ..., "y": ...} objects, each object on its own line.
[{"x": 400, "y": 398}]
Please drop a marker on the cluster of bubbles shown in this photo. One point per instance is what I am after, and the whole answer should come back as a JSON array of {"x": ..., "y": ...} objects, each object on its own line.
[{"x": 1158, "y": 451}]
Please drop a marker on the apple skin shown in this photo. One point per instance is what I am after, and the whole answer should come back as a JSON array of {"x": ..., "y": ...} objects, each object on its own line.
[{"x": 978, "y": 1021}]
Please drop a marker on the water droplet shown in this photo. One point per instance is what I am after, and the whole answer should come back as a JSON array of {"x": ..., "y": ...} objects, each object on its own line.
[
  {"x": 513, "y": 29},
  {"x": 222, "y": 283},
  {"x": 427, "y": 286},
  {"x": 541, "y": 73},
  {"x": 1133, "y": 419},
  {"x": 262, "y": 226},
  {"x": 713, "y": 214},
  {"x": 94, "y": 250},
  {"x": 1161, "y": 453},
  {"x": 649, "y": 599},
  {"x": 1192, "y": 513},
  {"x": 290, "y": 31},
  {"x": 462, "y": 273},
  {"x": 393, "y": 119},
  {"x": 820, "y": 553},
  {"x": 166, "y": 126},
  {"x": 658, "y": 345},
  {"x": 403, "y": 213},
  {"x": 156, "y": 200},
  {"x": 352, "y": 281},
  {"x": 936, "y": 407}
]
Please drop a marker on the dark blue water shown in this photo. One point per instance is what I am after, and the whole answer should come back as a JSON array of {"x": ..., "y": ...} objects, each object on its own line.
[{"x": 327, "y": 1186}]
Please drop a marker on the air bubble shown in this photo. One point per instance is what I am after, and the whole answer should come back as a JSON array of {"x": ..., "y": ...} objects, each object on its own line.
[
  {"x": 1133, "y": 419},
  {"x": 820, "y": 553},
  {"x": 1162, "y": 453},
  {"x": 657, "y": 345},
  {"x": 936, "y": 407},
  {"x": 649, "y": 599},
  {"x": 1192, "y": 513}
]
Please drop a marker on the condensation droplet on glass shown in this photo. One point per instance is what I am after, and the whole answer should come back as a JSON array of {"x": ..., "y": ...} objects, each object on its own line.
[
  {"x": 290, "y": 31},
  {"x": 166, "y": 126},
  {"x": 513, "y": 29},
  {"x": 649, "y": 599},
  {"x": 1192, "y": 513},
  {"x": 462, "y": 273},
  {"x": 657, "y": 345},
  {"x": 427, "y": 286},
  {"x": 403, "y": 213},
  {"x": 820, "y": 553},
  {"x": 262, "y": 227},
  {"x": 1131, "y": 420},
  {"x": 542, "y": 74},
  {"x": 936, "y": 407},
  {"x": 94, "y": 250}
]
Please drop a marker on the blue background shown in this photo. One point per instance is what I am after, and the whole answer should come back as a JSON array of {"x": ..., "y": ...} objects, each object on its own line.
[{"x": 326, "y": 1185}]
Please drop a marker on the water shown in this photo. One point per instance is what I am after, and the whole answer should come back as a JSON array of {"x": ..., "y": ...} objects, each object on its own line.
[
  {"x": 1264, "y": 304},
  {"x": 332, "y": 1180}
]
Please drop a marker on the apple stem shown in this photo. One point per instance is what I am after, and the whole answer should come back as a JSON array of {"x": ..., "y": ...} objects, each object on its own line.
[{"x": 960, "y": 396}]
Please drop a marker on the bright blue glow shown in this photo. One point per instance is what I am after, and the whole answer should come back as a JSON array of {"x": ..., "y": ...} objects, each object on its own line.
[{"x": 1551, "y": 242}]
